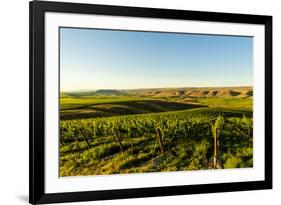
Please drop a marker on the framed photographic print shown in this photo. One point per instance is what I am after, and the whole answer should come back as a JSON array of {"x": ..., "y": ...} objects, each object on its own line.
[{"x": 140, "y": 102}]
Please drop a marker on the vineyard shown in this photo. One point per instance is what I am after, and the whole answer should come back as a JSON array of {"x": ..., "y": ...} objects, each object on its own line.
[{"x": 194, "y": 139}]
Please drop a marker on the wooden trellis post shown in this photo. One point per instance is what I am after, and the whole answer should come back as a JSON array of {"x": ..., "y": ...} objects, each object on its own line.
[
  {"x": 159, "y": 136},
  {"x": 215, "y": 147},
  {"x": 118, "y": 140},
  {"x": 89, "y": 146}
]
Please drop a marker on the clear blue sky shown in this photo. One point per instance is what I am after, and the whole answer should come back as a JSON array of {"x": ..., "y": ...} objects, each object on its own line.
[{"x": 106, "y": 59}]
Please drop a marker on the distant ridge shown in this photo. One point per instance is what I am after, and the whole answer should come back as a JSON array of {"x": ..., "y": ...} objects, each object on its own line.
[
  {"x": 193, "y": 92},
  {"x": 203, "y": 92},
  {"x": 108, "y": 92}
]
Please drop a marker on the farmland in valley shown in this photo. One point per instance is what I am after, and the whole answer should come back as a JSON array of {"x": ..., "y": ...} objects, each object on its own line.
[{"x": 154, "y": 130}]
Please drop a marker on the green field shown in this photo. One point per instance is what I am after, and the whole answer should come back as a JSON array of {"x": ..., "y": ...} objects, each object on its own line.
[{"x": 153, "y": 131}]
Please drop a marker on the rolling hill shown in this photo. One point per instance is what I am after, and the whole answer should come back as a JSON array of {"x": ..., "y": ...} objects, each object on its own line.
[{"x": 203, "y": 92}]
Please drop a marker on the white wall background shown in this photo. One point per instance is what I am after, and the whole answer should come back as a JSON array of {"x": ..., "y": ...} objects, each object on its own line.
[{"x": 14, "y": 42}]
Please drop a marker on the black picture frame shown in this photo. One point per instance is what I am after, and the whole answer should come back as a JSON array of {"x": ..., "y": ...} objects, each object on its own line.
[{"x": 37, "y": 10}]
